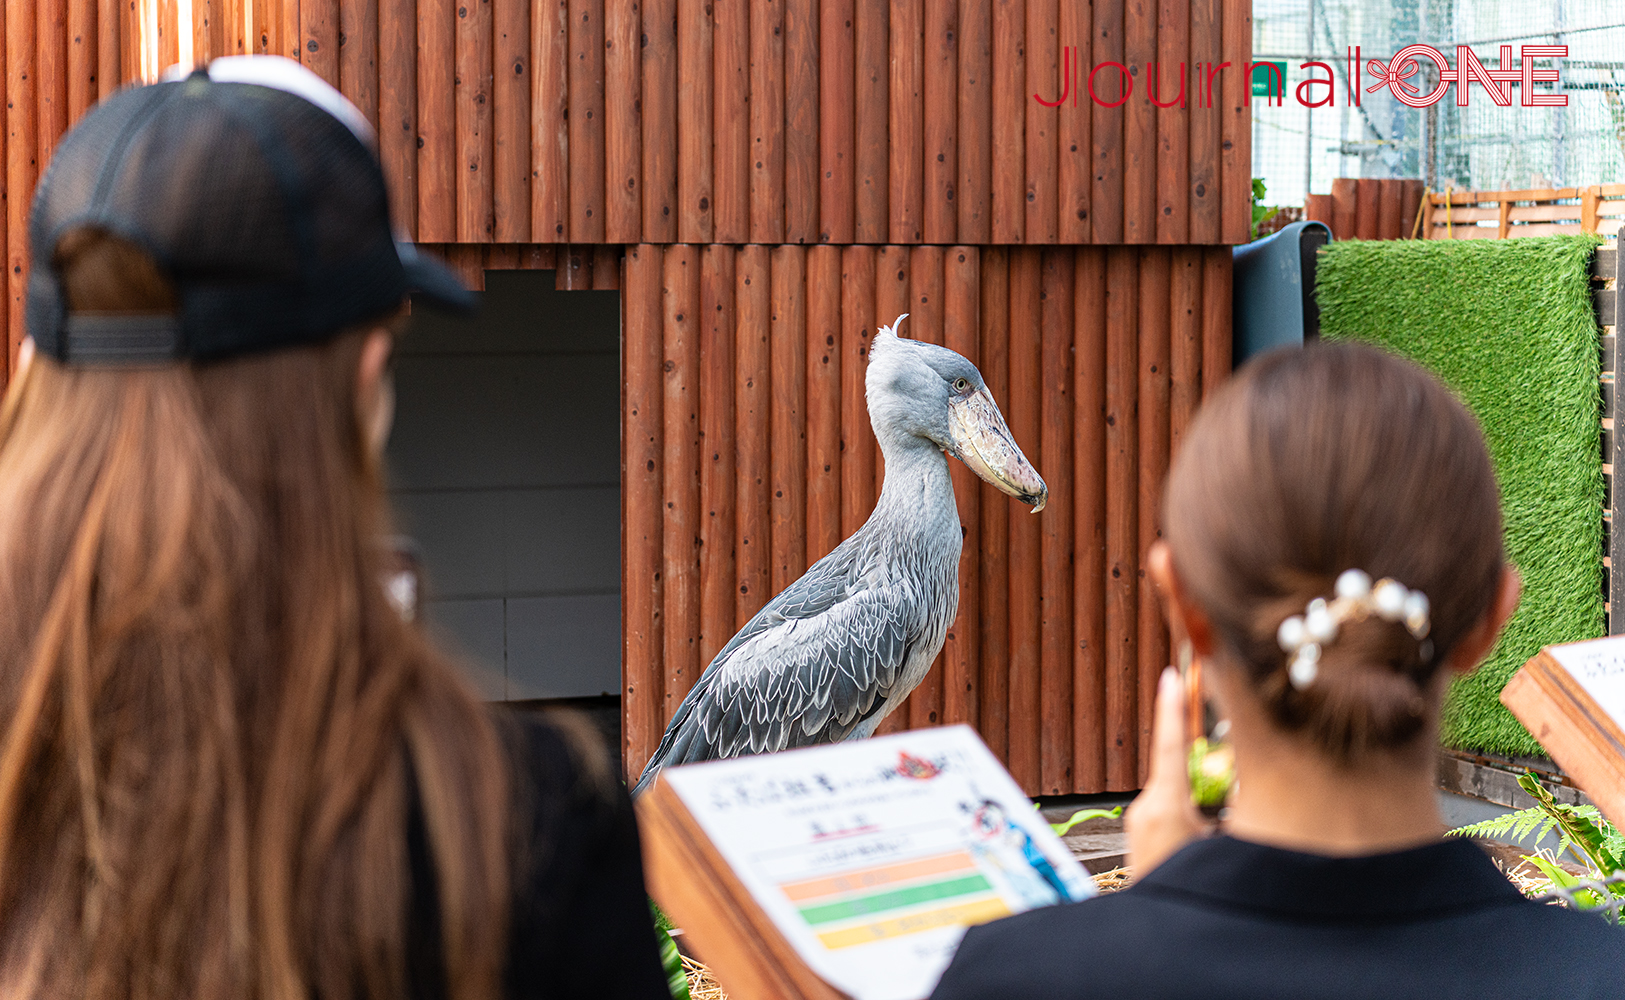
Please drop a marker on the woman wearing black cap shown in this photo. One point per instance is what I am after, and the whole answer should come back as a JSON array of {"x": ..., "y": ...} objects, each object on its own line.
[{"x": 227, "y": 767}]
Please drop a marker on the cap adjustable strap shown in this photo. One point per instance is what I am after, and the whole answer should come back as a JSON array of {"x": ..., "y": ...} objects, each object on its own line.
[{"x": 121, "y": 339}]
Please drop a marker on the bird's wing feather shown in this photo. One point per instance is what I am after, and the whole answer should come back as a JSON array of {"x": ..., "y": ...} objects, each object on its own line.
[{"x": 820, "y": 657}]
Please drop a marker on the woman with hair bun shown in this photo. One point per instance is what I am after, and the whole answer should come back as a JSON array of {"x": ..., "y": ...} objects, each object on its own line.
[{"x": 1332, "y": 550}]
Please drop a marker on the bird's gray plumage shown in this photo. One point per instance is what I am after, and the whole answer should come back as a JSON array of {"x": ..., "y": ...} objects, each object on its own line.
[{"x": 840, "y": 648}]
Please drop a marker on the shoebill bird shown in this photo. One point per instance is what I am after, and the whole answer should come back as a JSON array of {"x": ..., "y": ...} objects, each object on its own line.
[{"x": 838, "y": 650}]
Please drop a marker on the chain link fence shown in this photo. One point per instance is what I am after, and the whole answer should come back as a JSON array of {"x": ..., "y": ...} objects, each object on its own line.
[{"x": 1483, "y": 146}]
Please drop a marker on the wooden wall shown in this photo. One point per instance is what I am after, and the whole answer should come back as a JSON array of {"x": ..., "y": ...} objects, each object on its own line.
[{"x": 747, "y": 455}]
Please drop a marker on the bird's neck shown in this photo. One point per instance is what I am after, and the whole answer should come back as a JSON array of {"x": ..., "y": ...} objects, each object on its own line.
[{"x": 916, "y": 481}]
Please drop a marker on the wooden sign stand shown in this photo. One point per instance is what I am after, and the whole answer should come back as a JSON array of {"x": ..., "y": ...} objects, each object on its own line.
[
  {"x": 704, "y": 897},
  {"x": 1573, "y": 728}
]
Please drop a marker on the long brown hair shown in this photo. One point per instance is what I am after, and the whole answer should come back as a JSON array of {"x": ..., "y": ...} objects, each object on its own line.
[
  {"x": 215, "y": 725},
  {"x": 1312, "y": 462}
]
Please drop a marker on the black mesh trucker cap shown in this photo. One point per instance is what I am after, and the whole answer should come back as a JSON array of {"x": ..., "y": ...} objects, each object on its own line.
[{"x": 255, "y": 187}]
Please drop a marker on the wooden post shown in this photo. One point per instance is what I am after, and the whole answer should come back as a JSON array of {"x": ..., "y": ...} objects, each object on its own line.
[
  {"x": 1089, "y": 734},
  {"x": 767, "y": 122},
  {"x": 801, "y": 177},
  {"x": 717, "y": 476},
  {"x": 960, "y": 680},
  {"x": 680, "y": 478},
  {"x": 1055, "y": 524},
  {"x": 974, "y": 136},
  {"x": 1588, "y": 208},
  {"x": 586, "y": 102},
  {"x": 836, "y": 149},
  {"x": 695, "y": 71},
  {"x": 642, "y": 465},
  {"x": 730, "y": 193},
  {"x": 510, "y": 192},
  {"x": 1009, "y": 121},
  {"x": 994, "y": 592},
  {"x": 753, "y": 406},
  {"x": 623, "y": 123}
]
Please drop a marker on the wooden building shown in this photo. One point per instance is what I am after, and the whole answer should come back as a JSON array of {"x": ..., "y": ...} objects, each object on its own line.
[{"x": 764, "y": 181}]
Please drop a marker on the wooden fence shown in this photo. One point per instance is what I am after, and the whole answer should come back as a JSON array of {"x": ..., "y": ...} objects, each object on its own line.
[{"x": 1391, "y": 209}]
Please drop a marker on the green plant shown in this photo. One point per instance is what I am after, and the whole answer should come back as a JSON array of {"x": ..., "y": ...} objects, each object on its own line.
[
  {"x": 1583, "y": 833},
  {"x": 1084, "y": 815},
  {"x": 670, "y": 959},
  {"x": 1261, "y": 211}
]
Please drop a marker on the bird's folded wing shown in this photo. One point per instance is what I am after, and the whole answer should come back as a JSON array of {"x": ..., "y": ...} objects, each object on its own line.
[{"x": 789, "y": 681}]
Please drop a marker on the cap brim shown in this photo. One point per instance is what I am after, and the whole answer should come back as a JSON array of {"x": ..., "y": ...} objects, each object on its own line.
[{"x": 434, "y": 281}]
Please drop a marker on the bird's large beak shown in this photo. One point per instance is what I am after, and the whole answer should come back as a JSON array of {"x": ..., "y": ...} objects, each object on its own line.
[{"x": 982, "y": 441}]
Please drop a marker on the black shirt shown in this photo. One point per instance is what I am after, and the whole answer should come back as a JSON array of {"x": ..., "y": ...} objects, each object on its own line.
[
  {"x": 581, "y": 925},
  {"x": 1225, "y": 918}
]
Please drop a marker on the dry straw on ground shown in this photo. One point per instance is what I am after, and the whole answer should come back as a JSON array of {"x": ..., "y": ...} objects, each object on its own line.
[{"x": 703, "y": 986}]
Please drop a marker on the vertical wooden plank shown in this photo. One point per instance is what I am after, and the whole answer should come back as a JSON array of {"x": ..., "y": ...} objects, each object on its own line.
[
  {"x": 586, "y": 102},
  {"x": 51, "y": 63},
  {"x": 606, "y": 267},
  {"x": 1410, "y": 207},
  {"x": 731, "y": 168},
  {"x": 358, "y": 53},
  {"x": 169, "y": 29},
  {"x": 695, "y": 69},
  {"x": 801, "y": 177},
  {"x": 398, "y": 108},
  {"x": 961, "y": 305},
  {"x": 767, "y": 121},
  {"x": 1055, "y": 524},
  {"x": 892, "y": 299},
  {"x": 1367, "y": 208},
  {"x": 1122, "y": 530},
  {"x": 1236, "y": 127},
  {"x": 22, "y": 165},
  {"x": 823, "y": 401},
  {"x": 941, "y": 56},
  {"x": 319, "y": 32},
  {"x": 437, "y": 122},
  {"x": 1090, "y": 746},
  {"x": 680, "y": 479},
  {"x": 82, "y": 56},
  {"x": 1345, "y": 201},
  {"x": 1216, "y": 291},
  {"x": 1389, "y": 226},
  {"x": 1185, "y": 344},
  {"x": 994, "y": 633},
  {"x": 717, "y": 480},
  {"x": 574, "y": 271},
  {"x": 907, "y": 136},
  {"x": 1009, "y": 118},
  {"x": 1139, "y": 124},
  {"x": 549, "y": 131},
  {"x": 289, "y": 31},
  {"x": 872, "y": 57},
  {"x": 7, "y": 126},
  {"x": 857, "y": 436},
  {"x": 1207, "y": 44},
  {"x": 925, "y": 323},
  {"x": 835, "y": 113},
  {"x": 642, "y": 507},
  {"x": 474, "y": 139},
  {"x": 510, "y": 193},
  {"x": 753, "y": 407},
  {"x": 1073, "y": 140},
  {"x": 1045, "y": 75},
  {"x": 1154, "y": 390},
  {"x": 659, "y": 119},
  {"x": 788, "y": 421},
  {"x": 623, "y": 124},
  {"x": 974, "y": 136},
  {"x": 1318, "y": 208},
  {"x": 502, "y": 257},
  {"x": 110, "y": 17},
  {"x": 1173, "y": 123},
  {"x": 1021, "y": 405},
  {"x": 1105, "y": 88}
]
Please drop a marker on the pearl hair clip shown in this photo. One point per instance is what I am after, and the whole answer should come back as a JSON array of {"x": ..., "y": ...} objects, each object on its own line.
[{"x": 1303, "y": 636}]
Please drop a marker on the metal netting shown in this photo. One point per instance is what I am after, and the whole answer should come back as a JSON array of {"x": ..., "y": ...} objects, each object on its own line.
[
  {"x": 1482, "y": 146},
  {"x": 1590, "y": 895}
]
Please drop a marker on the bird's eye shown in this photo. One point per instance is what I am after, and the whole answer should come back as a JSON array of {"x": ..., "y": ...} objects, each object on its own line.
[{"x": 960, "y": 385}]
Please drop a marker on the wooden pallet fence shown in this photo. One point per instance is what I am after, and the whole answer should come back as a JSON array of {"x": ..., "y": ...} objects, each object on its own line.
[
  {"x": 1368, "y": 208},
  {"x": 1098, "y": 355},
  {"x": 1469, "y": 215}
]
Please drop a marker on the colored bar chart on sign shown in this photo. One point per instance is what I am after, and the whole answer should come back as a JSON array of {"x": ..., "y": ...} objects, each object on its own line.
[{"x": 873, "y": 857}]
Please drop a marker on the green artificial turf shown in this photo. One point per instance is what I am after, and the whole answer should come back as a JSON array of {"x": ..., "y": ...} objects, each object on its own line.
[{"x": 1509, "y": 325}]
